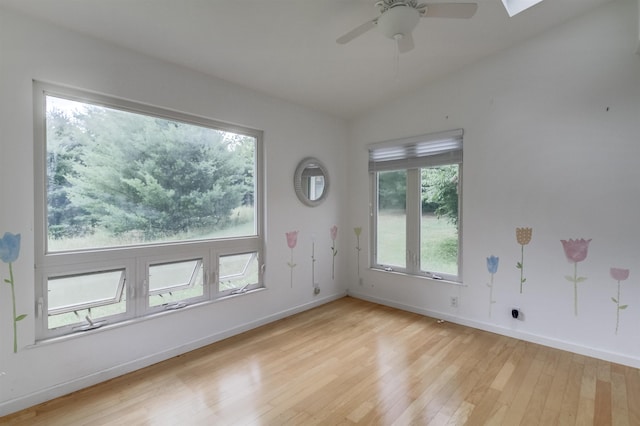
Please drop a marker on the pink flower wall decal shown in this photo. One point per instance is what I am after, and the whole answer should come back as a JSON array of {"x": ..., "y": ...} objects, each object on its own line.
[
  {"x": 575, "y": 251},
  {"x": 334, "y": 234},
  {"x": 618, "y": 274},
  {"x": 292, "y": 240}
]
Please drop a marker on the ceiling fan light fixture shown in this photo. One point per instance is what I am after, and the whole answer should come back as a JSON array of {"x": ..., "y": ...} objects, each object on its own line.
[{"x": 399, "y": 21}]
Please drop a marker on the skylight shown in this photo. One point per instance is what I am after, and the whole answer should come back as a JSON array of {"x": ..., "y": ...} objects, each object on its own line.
[{"x": 516, "y": 6}]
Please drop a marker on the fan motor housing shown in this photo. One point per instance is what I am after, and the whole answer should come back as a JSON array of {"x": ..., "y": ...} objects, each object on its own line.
[{"x": 399, "y": 20}]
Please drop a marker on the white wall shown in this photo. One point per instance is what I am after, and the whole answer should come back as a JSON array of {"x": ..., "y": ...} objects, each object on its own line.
[
  {"x": 34, "y": 50},
  {"x": 551, "y": 142}
]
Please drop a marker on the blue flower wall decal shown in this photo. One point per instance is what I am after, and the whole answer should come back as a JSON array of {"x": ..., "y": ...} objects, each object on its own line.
[{"x": 9, "y": 252}]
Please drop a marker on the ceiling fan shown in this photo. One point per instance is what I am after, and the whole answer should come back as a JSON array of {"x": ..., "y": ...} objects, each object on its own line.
[{"x": 398, "y": 18}]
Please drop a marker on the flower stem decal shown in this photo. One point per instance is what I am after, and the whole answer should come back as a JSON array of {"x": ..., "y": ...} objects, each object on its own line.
[
  {"x": 618, "y": 274},
  {"x": 492, "y": 267},
  {"x": 292, "y": 240},
  {"x": 576, "y": 251},
  {"x": 334, "y": 234},
  {"x": 358, "y": 231},
  {"x": 9, "y": 252},
  {"x": 523, "y": 237},
  {"x": 313, "y": 260}
]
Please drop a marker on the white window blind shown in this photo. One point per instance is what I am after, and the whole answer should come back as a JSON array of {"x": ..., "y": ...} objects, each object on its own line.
[{"x": 419, "y": 151}]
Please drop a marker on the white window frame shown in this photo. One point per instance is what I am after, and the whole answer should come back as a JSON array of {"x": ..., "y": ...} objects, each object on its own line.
[
  {"x": 411, "y": 155},
  {"x": 135, "y": 260}
]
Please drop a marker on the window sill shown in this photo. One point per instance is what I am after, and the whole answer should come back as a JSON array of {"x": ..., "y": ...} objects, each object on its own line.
[
  {"x": 420, "y": 277},
  {"x": 107, "y": 327}
]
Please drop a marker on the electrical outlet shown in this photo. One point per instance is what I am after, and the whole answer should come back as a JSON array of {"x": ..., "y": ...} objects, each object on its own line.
[
  {"x": 453, "y": 301},
  {"x": 517, "y": 314},
  {"x": 361, "y": 281}
]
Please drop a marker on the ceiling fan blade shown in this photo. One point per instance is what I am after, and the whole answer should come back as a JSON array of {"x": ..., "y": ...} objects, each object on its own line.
[
  {"x": 451, "y": 10},
  {"x": 405, "y": 43},
  {"x": 358, "y": 31}
]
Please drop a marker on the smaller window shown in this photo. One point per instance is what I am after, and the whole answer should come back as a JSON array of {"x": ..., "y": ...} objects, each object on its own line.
[
  {"x": 238, "y": 273},
  {"x": 416, "y": 205},
  {"x": 172, "y": 283},
  {"x": 74, "y": 298}
]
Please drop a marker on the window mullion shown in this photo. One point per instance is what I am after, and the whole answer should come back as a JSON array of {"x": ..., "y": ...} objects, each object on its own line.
[{"x": 413, "y": 220}]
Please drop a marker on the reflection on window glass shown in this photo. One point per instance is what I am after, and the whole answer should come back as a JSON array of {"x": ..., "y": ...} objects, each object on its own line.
[
  {"x": 175, "y": 282},
  {"x": 238, "y": 271},
  {"x": 96, "y": 295},
  {"x": 391, "y": 219},
  {"x": 439, "y": 222},
  {"x": 118, "y": 178}
]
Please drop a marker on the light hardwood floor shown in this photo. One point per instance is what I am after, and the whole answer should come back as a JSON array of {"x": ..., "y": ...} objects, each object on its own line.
[{"x": 354, "y": 362}]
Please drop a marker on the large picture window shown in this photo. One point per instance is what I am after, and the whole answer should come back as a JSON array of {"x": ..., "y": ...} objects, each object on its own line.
[
  {"x": 416, "y": 197},
  {"x": 134, "y": 206}
]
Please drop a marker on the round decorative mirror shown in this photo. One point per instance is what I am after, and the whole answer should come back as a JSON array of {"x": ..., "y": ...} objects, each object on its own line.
[{"x": 311, "y": 181}]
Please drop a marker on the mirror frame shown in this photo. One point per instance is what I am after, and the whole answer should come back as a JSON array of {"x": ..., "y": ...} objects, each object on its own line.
[{"x": 297, "y": 181}]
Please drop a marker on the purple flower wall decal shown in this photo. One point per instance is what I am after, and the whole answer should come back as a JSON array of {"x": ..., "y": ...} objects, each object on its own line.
[
  {"x": 334, "y": 234},
  {"x": 292, "y": 240},
  {"x": 9, "y": 252},
  {"x": 492, "y": 267},
  {"x": 575, "y": 251},
  {"x": 618, "y": 274}
]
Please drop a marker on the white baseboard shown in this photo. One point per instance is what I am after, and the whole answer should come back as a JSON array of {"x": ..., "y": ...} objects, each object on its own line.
[
  {"x": 534, "y": 338},
  {"x": 17, "y": 404}
]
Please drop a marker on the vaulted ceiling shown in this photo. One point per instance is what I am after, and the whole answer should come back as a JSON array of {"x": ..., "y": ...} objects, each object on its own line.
[{"x": 288, "y": 49}]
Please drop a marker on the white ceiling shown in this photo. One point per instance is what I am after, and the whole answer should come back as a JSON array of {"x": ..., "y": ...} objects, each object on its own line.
[{"x": 287, "y": 48}]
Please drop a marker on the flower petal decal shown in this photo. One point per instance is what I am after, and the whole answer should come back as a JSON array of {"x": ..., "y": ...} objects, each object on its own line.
[
  {"x": 492, "y": 264},
  {"x": 619, "y": 274},
  {"x": 576, "y": 250},
  {"x": 9, "y": 247},
  {"x": 292, "y": 239},
  {"x": 523, "y": 236},
  {"x": 334, "y": 232}
]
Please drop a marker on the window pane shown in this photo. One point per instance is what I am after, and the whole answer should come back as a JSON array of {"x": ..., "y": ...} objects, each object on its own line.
[
  {"x": 392, "y": 218},
  {"x": 238, "y": 270},
  {"x": 439, "y": 223},
  {"x": 117, "y": 178},
  {"x": 96, "y": 295},
  {"x": 175, "y": 282}
]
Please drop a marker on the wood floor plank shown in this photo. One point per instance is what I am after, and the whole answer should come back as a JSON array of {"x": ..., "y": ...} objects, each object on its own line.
[
  {"x": 620, "y": 407},
  {"x": 602, "y": 415},
  {"x": 354, "y": 362}
]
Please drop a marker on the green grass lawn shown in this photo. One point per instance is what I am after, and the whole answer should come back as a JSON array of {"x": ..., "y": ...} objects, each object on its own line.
[{"x": 438, "y": 242}]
